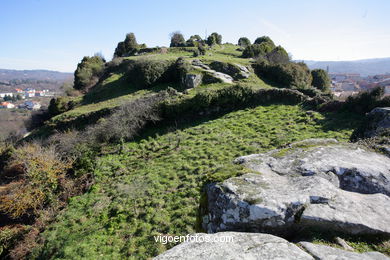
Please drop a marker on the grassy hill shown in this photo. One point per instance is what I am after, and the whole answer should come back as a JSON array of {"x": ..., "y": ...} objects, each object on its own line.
[
  {"x": 134, "y": 159},
  {"x": 154, "y": 184}
]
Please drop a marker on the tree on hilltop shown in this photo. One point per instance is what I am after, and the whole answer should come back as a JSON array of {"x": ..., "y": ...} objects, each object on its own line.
[
  {"x": 128, "y": 47},
  {"x": 244, "y": 42},
  {"x": 177, "y": 39}
]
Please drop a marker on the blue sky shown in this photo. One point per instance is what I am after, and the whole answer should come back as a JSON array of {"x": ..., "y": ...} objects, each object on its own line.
[{"x": 56, "y": 34}]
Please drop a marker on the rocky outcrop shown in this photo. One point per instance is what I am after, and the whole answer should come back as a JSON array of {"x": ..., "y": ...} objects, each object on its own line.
[
  {"x": 210, "y": 75},
  {"x": 332, "y": 186},
  {"x": 327, "y": 252},
  {"x": 258, "y": 246},
  {"x": 243, "y": 246},
  {"x": 236, "y": 71},
  {"x": 348, "y": 166},
  {"x": 378, "y": 121},
  {"x": 192, "y": 80}
]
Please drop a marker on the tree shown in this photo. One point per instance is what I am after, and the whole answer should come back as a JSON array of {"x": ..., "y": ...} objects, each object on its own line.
[
  {"x": 177, "y": 39},
  {"x": 262, "y": 39},
  {"x": 321, "y": 79},
  {"x": 128, "y": 47},
  {"x": 244, "y": 42},
  {"x": 194, "y": 41},
  {"x": 88, "y": 72},
  {"x": 278, "y": 55},
  {"x": 214, "y": 38}
]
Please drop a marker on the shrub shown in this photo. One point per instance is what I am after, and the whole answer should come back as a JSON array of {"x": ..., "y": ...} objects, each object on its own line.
[
  {"x": 194, "y": 41},
  {"x": 202, "y": 49},
  {"x": 214, "y": 38},
  {"x": 88, "y": 72},
  {"x": 128, "y": 47},
  {"x": 290, "y": 75},
  {"x": 177, "y": 40},
  {"x": 278, "y": 55},
  {"x": 244, "y": 42},
  {"x": 265, "y": 39},
  {"x": 41, "y": 169},
  {"x": 256, "y": 50},
  {"x": 126, "y": 122},
  {"x": 147, "y": 72},
  {"x": 57, "y": 106},
  {"x": 321, "y": 79},
  {"x": 365, "y": 101}
]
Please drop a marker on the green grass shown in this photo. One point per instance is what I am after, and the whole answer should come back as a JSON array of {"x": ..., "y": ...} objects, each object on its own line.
[{"x": 154, "y": 185}]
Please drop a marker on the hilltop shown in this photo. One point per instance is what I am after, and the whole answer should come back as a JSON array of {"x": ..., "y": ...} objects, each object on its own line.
[{"x": 132, "y": 151}]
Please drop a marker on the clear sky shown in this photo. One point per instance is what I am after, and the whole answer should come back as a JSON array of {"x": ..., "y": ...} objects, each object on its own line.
[{"x": 56, "y": 34}]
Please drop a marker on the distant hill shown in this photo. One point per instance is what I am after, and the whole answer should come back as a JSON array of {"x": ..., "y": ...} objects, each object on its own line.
[
  {"x": 363, "y": 67},
  {"x": 38, "y": 79},
  {"x": 6, "y": 75}
]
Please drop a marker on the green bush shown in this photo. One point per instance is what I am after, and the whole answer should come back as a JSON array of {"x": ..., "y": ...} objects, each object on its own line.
[
  {"x": 57, "y": 106},
  {"x": 194, "y": 41},
  {"x": 177, "y": 40},
  {"x": 88, "y": 72},
  {"x": 289, "y": 75},
  {"x": 128, "y": 47},
  {"x": 321, "y": 79},
  {"x": 214, "y": 38},
  {"x": 257, "y": 50},
  {"x": 148, "y": 72},
  {"x": 365, "y": 101},
  {"x": 266, "y": 39},
  {"x": 278, "y": 55},
  {"x": 244, "y": 42}
]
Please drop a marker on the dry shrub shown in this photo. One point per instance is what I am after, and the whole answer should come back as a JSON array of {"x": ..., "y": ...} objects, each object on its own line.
[{"x": 41, "y": 169}]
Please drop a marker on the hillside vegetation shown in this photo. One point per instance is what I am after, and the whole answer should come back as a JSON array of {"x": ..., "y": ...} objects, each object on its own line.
[{"x": 129, "y": 158}]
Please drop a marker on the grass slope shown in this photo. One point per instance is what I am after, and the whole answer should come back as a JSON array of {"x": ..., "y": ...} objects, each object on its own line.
[{"x": 154, "y": 185}]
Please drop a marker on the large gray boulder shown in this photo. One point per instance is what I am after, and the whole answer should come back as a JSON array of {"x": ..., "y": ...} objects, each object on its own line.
[
  {"x": 244, "y": 246},
  {"x": 305, "y": 186},
  {"x": 348, "y": 166},
  {"x": 331, "y": 253}
]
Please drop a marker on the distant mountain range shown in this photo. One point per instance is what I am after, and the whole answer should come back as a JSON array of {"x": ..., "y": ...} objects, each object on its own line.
[
  {"x": 363, "y": 67},
  {"x": 7, "y": 75}
]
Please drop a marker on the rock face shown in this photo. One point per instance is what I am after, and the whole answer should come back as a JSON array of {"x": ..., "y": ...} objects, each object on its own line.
[
  {"x": 192, "y": 80},
  {"x": 326, "y": 186},
  {"x": 379, "y": 121},
  {"x": 326, "y": 252},
  {"x": 244, "y": 246},
  {"x": 258, "y": 246}
]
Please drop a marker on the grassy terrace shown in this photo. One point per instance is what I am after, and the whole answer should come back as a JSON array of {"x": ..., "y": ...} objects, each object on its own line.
[
  {"x": 153, "y": 185},
  {"x": 114, "y": 90}
]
